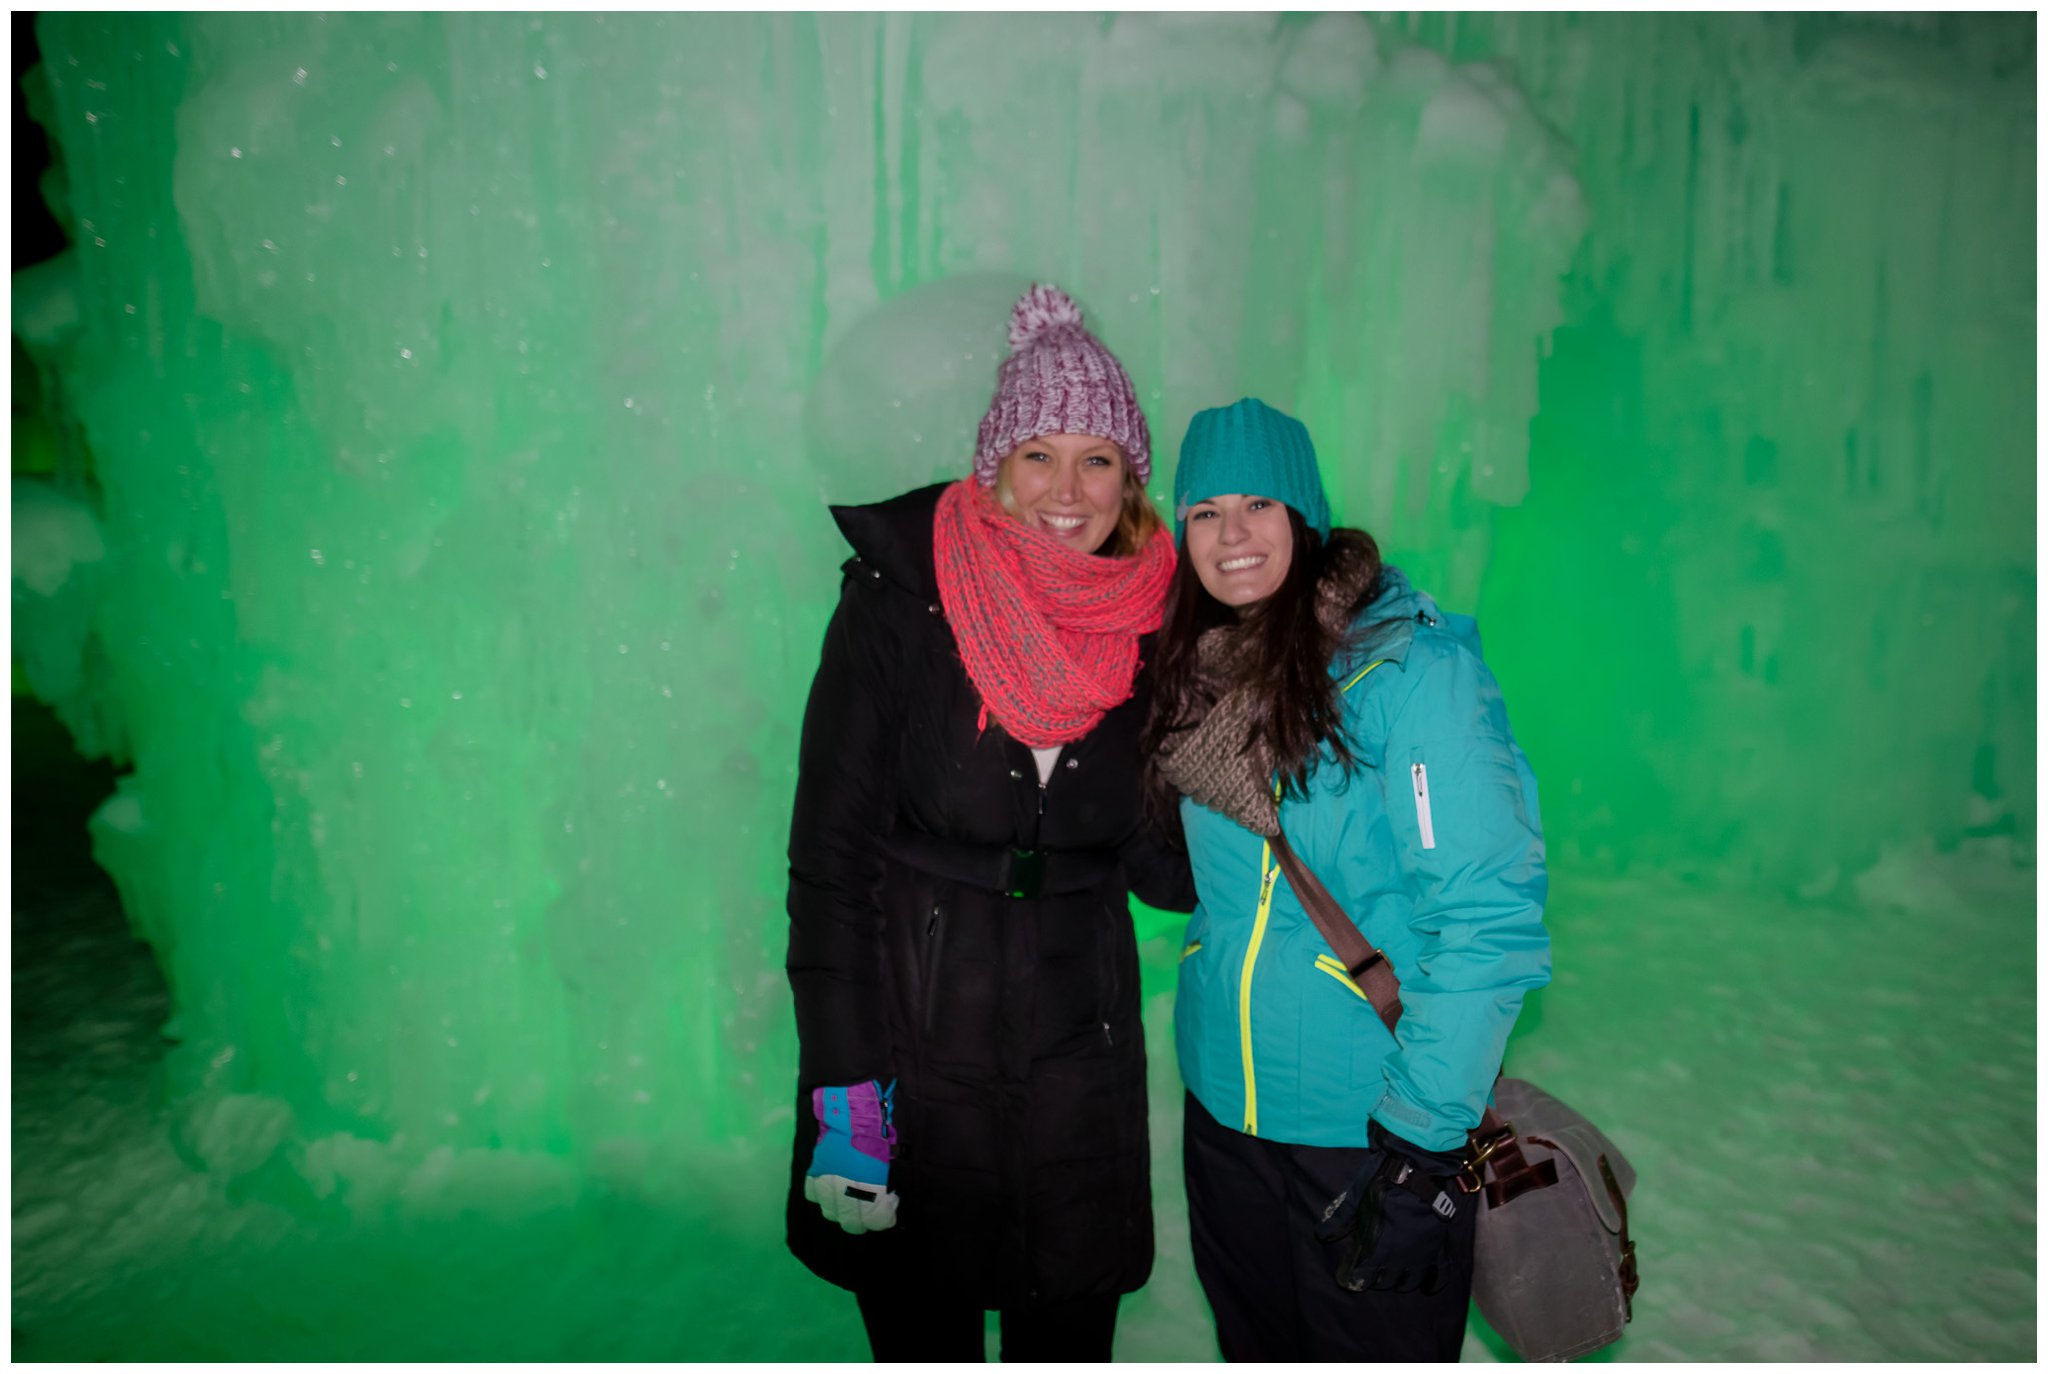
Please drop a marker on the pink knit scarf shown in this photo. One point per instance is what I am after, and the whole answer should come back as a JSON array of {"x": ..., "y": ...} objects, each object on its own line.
[{"x": 1049, "y": 635}]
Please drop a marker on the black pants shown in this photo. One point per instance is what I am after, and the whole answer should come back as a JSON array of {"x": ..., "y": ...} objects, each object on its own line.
[
  {"x": 1252, "y": 1210},
  {"x": 924, "y": 1330}
]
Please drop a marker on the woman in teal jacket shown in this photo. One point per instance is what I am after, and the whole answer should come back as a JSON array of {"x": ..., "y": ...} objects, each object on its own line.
[{"x": 1303, "y": 686}]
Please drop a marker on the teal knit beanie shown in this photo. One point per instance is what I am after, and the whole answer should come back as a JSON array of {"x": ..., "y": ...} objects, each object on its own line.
[{"x": 1250, "y": 449}]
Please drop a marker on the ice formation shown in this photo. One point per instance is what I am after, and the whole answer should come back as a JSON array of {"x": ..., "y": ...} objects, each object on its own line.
[{"x": 464, "y": 390}]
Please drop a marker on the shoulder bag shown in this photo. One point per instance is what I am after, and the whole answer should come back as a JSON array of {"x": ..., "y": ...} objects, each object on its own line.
[{"x": 1555, "y": 1270}]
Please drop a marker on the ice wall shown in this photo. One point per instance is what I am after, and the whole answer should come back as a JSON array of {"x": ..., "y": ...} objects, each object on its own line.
[
  {"x": 1770, "y": 606},
  {"x": 465, "y": 392}
]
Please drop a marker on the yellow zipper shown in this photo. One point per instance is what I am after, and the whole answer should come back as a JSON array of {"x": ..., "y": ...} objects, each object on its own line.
[
  {"x": 1359, "y": 676},
  {"x": 1337, "y": 971},
  {"x": 1268, "y": 872}
]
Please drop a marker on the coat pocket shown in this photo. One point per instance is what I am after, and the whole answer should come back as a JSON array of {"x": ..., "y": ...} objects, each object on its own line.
[
  {"x": 1340, "y": 1024},
  {"x": 1111, "y": 982},
  {"x": 1330, "y": 964},
  {"x": 934, "y": 943}
]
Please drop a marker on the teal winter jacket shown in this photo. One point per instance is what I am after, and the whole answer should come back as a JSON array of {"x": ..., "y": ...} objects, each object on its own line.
[{"x": 1434, "y": 847}]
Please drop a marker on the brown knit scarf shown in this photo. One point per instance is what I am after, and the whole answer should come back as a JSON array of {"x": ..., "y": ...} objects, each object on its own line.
[{"x": 1216, "y": 762}]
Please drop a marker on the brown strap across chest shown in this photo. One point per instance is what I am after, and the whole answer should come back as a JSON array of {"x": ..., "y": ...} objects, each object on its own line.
[
  {"x": 1366, "y": 965},
  {"x": 1492, "y": 1147}
]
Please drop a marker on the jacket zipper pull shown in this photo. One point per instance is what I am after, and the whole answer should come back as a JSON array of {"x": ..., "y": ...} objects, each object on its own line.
[{"x": 1041, "y": 799}]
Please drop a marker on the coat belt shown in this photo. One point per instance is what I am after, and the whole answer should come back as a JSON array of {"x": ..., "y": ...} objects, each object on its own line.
[{"x": 1019, "y": 873}]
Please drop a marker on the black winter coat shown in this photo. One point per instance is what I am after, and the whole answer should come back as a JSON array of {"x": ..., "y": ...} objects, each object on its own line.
[{"x": 1010, "y": 1024}]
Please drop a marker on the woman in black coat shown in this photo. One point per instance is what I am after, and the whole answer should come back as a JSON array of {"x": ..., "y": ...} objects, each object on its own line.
[{"x": 971, "y": 1128}]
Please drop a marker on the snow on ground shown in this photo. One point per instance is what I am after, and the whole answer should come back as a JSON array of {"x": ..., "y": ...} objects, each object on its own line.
[{"x": 1831, "y": 1109}]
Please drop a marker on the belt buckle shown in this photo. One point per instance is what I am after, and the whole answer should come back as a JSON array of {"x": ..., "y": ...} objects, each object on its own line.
[{"x": 1027, "y": 873}]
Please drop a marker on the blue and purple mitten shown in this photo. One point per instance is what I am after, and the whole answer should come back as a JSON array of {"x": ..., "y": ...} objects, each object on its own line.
[{"x": 849, "y": 1173}]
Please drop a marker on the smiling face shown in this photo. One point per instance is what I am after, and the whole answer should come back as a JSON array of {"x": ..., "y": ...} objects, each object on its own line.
[
  {"x": 1069, "y": 485},
  {"x": 1240, "y": 547}
]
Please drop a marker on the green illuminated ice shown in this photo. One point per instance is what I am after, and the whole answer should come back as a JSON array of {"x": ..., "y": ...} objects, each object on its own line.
[{"x": 449, "y": 406}]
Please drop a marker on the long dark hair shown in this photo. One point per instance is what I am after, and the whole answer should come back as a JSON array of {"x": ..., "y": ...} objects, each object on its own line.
[{"x": 1296, "y": 705}]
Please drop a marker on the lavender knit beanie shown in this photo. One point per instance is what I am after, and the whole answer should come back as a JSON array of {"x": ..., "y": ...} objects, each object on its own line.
[{"x": 1059, "y": 379}]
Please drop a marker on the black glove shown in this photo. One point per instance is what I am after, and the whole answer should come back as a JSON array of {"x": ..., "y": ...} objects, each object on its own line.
[{"x": 1392, "y": 1226}]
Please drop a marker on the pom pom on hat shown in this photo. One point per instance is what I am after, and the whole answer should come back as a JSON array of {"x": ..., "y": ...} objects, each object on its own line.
[
  {"x": 1040, "y": 309},
  {"x": 1059, "y": 379}
]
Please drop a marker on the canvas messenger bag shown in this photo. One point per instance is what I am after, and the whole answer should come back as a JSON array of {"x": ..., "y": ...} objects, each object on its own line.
[{"x": 1555, "y": 1270}]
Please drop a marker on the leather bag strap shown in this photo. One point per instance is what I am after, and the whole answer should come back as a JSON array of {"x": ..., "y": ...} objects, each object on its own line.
[{"x": 1493, "y": 1142}]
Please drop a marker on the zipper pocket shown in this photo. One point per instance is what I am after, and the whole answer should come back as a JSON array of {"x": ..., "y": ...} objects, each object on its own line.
[
  {"x": 1419, "y": 775},
  {"x": 1112, "y": 976},
  {"x": 1329, "y": 965},
  {"x": 934, "y": 936}
]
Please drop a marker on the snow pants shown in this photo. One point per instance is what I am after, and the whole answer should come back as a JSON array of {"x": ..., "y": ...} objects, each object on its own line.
[{"x": 1253, "y": 1206}]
